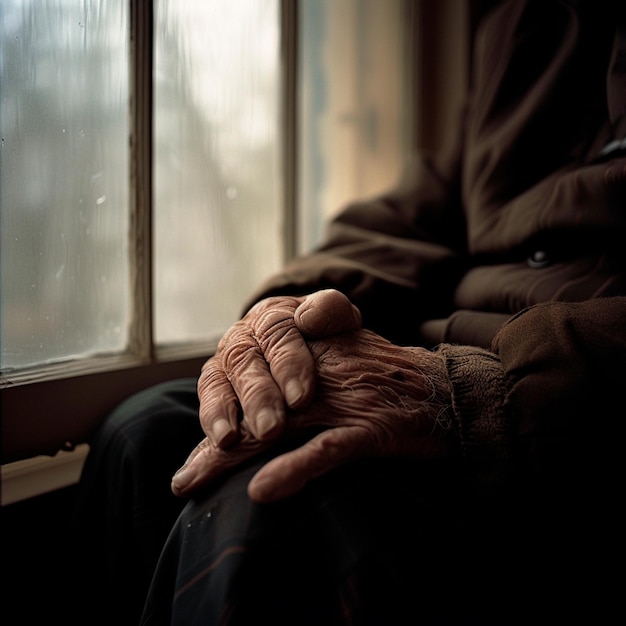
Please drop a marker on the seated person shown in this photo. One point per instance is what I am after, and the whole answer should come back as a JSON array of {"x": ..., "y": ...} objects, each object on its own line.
[{"x": 421, "y": 421}]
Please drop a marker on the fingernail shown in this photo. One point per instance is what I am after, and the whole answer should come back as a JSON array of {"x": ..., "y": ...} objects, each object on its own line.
[
  {"x": 293, "y": 392},
  {"x": 222, "y": 431},
  {"x": 186, "y": 473},
  {"x": 182, "y": 478},
  {"x": 313, "y": 321},
  {"x": 266, "y": 422}
]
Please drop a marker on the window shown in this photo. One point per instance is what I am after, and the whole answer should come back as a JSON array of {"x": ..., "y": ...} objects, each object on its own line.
[
  {"x": 217, "y": 162},
  {"x": 353, "y": 108},
  {"x": 156, "y": 163},
  {"x": 66, "y": 196},
  {"x": 64, "y": 187}
]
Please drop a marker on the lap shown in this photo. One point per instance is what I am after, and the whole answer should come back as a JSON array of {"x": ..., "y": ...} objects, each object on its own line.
[
  {"x": 364, "y": 545},
  {"x": 372, "y": 543}
]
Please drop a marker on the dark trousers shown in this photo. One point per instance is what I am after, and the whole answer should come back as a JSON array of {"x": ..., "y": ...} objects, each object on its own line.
[
  {"x": 125, "y": 508},
  {"x": 364, "y": 545},
  {"x": 374, "y": 543}
]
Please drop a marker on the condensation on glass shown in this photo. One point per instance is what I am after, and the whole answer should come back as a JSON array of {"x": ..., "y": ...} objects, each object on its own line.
[
  {"x": 64, "y": 190},
  {"x": 217, "y": 177},
  {"x": 218, "y": 214}
]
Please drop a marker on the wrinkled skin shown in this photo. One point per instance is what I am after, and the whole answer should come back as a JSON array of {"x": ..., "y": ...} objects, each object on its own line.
[
  {"x": 263, "y": 366},
  {"x": 373, "y": 399}
]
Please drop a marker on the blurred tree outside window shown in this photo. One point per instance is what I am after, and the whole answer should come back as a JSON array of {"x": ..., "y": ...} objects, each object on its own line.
[
  {"x": 219, "y": 124},
  {"x": 217, "y": 169}
]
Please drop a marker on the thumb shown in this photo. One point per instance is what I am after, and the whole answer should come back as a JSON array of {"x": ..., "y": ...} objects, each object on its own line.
[
  {"x": 288, "y": 473},
  {"x": 326, "y": 313}
]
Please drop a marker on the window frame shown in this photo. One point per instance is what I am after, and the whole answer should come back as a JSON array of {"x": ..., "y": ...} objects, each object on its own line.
[
  {"x": 63, "y": 391},
  {"x": 53, "y": 410}
]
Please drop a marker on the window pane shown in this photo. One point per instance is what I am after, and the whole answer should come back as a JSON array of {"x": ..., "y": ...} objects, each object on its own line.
[
  {"x": 351, "y": 105},
  {"x": 218, "y": 214},
  {"x": 64, "y": 193}
]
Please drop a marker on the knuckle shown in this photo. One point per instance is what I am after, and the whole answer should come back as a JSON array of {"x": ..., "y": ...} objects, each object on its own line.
[
  {"x": 324, "y": 446},
  {"x": 273, "y": 328},
  {"x": 238, "y": 353}
]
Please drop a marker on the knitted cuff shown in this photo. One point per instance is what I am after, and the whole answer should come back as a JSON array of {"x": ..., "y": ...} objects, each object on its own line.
[{"x": 478, "y": 391}]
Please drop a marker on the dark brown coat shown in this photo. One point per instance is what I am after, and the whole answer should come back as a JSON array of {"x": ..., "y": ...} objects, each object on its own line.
[{"x": 521, "y": 223}]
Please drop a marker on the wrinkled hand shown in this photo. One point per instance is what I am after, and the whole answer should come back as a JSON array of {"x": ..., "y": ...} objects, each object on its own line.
[
  {"x": 263, "y": 365},
  {"x": 373, "y": 399}
]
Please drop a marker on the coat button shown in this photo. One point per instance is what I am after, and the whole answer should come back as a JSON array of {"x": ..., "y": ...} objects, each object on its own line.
[{"x": 539, "y": 259}]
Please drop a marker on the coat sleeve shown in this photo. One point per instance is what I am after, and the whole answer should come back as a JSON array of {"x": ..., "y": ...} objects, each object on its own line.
[
  {"x": 397, "y": 256},
  {"x": 545, "y": 407},
  {"x": 566, "y": 367}
]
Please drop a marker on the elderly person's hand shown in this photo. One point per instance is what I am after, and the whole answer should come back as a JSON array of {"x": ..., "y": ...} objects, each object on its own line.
[
  {"x": 373, "y": 399},
  {"x": 263, "y": 365}
]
